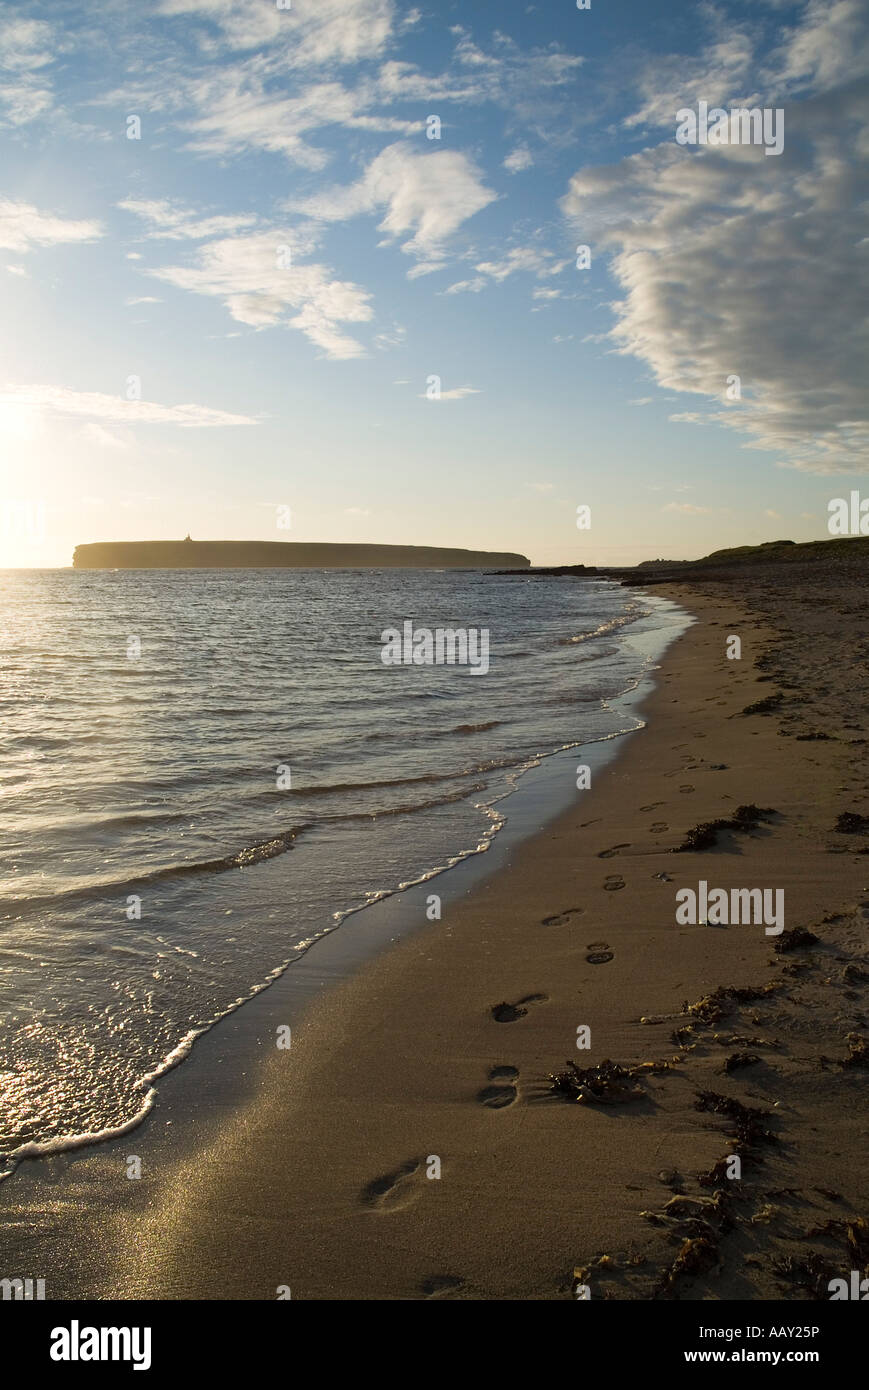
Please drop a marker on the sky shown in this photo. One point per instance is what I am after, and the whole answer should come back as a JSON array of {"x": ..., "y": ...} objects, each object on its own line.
[{"x": 310, "y": 270}]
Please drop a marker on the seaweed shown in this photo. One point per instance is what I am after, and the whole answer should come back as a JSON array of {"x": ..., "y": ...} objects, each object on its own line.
[
  {"x": 740, "y": 1059},
  {"x": 608, "y": 1083},
  {"x": 811, "y": 1272},
  {"x": 795, "y": 939},
  {"x": 720, "y": 1002},
  {"x": 858, "y": 1052},
  {"x": 705, "y": 835},
  {"x": 747, "y": 1120},
  {"x": 764, "y": 706}
]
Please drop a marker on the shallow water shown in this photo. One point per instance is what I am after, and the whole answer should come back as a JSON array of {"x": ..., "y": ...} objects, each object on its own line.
[{"x": 145, "y": 716}]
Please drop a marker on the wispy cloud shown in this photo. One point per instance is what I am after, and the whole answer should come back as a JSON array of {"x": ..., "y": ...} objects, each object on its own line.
[
  {"x": 27, "y": 47},
  {"x": 715, "y": 74},
  {"x": 243, "y": 108},
  {"x": 23, "y": 226},
  {"x": 473, "y": 286},
  {"x": 96, "y": 406},
  {"x": 309, "y": 33},
  {"x": 518, "y": 160},
  {"x": 174, "y": 223},
  {"x": 458, "y": 393},
  {"x": 533, "y": 259}
]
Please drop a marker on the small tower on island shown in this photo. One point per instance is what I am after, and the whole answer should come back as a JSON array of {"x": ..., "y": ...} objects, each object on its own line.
[{"x": 187, "y": 538}]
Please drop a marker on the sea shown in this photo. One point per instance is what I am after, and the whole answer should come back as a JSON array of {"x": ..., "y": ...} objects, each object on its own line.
[{"x": 202, "y": 772}]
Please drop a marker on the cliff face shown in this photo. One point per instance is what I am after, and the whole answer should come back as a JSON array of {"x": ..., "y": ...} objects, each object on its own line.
[{"x": 160, "y": 555}]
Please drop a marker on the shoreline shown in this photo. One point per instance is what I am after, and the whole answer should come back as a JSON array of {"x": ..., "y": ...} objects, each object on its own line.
[
  {"x": 396, "y": 910},
  {"x": 319, "y": 1181}
]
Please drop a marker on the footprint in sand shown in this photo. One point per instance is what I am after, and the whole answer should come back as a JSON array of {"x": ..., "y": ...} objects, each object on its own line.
[
  {"x": 392, "y": 1190},
  {"x": 560, "y": 919},
  {"x": 613, "y": 882},
  {"x": 659, "y": 825},
  {"x": 653, "y": 807},
  {"x": 687, "y": 788},
  {"x": 599, "y": 952},
  {"x": 508, "y": 1013},
  {"x": 610, "y": 853},
  {"x": 503, "y": 1091}
]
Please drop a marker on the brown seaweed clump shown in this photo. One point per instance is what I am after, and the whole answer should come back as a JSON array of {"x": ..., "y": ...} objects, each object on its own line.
[
  {"x": 705, "y": 835},
  {"x": 858, "y": 1052},
  {"x": 764, "y": 706},
  {"x": 849, "y": 823},
  {"x": 714, "y": 1006},
  {"x": 795, "y": 939},
  {"x": 608, "y": 1083},
  {"x": 736, "y": 1060},
  {"x": 855, "y": 1234},
  {"x": 810, "y": 1272},
  {"x": 747, "y": 1120},
  {"x": 697, "y": 1255}
]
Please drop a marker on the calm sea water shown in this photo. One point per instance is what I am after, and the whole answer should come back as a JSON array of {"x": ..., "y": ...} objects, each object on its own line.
[{"x": 148, "y": 783}]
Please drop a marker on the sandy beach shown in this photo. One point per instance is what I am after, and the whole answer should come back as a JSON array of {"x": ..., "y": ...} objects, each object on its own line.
[{"x": 409, "y": 1145}]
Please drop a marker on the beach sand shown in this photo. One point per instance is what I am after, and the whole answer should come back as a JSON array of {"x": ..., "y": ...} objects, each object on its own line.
[{"x": 409, "y": 1144}]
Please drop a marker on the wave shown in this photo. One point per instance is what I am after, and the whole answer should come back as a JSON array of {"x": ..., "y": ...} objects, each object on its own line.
[
  {"x": 612, "y": 625},
  {"x": 241, "y": 859}
]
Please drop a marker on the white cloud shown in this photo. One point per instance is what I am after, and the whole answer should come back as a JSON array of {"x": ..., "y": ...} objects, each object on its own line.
[
  {"x": 830, "y": 46},
  {"x": 27, "y": 46},
  {"x": 141, "y": 299},
  {"x": 716, "y": 74},
  {"x": 532, "y": 259},
  {"x": 685, "y": 508},
  {"x": 18, "y": 270},
  {"x": 429, "y": 195},
  {"x": 390, "y": 337},
  {"x": 22, "y": 226},
  {"x": 479, "y": 282},
  {"x": 519, "y": 159},
  {"x": 733, "y": 263},
  {"x": 93, "y": 433},
  {"x": 61, "y": 400},
  {"x": 173, "y": 223},
  {"x": 246, "y": 108},
  {"x": 309, "y": 33},
  {"x": 686, "y": 417},
  {"x": 246, "y": 274},
  {"x": 532, "y": 84},
  {"x": 458, "y": 393}
]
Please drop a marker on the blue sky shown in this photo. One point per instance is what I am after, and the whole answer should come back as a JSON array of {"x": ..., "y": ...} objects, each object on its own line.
[{"x": 242, "y": 309}]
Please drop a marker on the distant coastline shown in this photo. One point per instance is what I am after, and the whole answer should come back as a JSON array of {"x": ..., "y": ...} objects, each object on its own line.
[{"x": 188, "y": 554}]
